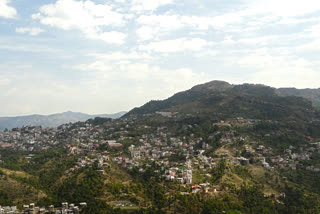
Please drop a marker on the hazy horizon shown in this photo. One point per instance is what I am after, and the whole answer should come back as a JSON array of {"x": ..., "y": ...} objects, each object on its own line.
[
  {"x": 95, "y": 113},
  {"x": 97, "y": 56},
  {"x": 32, "y": 114}
]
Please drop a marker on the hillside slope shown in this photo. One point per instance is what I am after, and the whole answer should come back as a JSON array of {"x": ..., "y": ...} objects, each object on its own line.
[
  {"x": 310, "y": 94},
  {"x": 220, "y": 100}
]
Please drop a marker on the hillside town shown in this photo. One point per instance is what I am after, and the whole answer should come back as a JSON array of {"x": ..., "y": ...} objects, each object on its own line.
[
  {"x": 85, "y": 139},
  {"x": 184, "y": 159}
]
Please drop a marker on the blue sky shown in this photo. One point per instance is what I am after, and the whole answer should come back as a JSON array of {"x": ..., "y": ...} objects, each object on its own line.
[{"x": 103, "y": 56}]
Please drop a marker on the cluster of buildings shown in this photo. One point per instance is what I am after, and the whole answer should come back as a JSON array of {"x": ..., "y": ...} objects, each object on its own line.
[
  {"x": 132, "y": 144},
  {"x": 177, "y": 156},
  {"x": 8, "y": 209},
  {"x": 182, "y": 175},
  {"x": 29, "y": 138},
  {"x": 65, "y": 208},
  {"x": 84, "y": 161},
  {"x": 292, "y": 158}
]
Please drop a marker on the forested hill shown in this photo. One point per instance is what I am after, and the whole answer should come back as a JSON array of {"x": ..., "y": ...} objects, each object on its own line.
[
  {"x": 221, "y": 100},
  {"x": 52, "y": 120},
  {"x": 310, "y": 94}
]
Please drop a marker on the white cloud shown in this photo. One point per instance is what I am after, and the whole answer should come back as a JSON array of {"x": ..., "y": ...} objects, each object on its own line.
[
  {"x": 263, "y": 40},
  {"x": 311, "y": 42},
  {"x": 228, "y": 40},
  {"x": 284, "y": 8},
  {"x": 147, "y": 33},
  {"x": 312, "y": 46},
  {"x": 7, "y": 11},
  {"x": 30, "y": 31},
  {"x": 86, "y": 16},
  {"x": 165, "y": 82},
  {"x": 4, "y": 81},
  {"x": 295, "y": 21},
  {"x": 31, "y": 47},
  {"x": 176, "y": 45},
  {"x": 154, "y": 26},
  {"x": 206, "y": 53},
  {"x": 251, "y": 16},
  {"x": 288, "y": 77},
  {"x": 278, "y": 70},
  {"x": 149, "y": 5},
  {"x": 165, "y": 21},
  {"x": 218, "y": 22},
  {"x": 113, "y": 37},
  {"x": 314, "y": 31},
  {"x": 145, "y": 81},
  {"x": 95, "y": 66},
  {"x": 137, "y": 81},
  {"x": 120, "y": 56}
]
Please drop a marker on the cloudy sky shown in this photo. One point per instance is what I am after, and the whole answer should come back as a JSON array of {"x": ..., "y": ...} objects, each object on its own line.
[{"x": 104, "y": 56}]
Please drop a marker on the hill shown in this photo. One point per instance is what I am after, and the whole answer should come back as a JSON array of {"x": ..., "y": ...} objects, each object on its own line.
[
  {"x": 310, "y": 94},
  {"x": 221, "y": 100},
  {"x": 52, "y": 120}
]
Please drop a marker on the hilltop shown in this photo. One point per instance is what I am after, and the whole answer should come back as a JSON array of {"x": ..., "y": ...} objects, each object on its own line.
[{"x": 221, "y": 100}]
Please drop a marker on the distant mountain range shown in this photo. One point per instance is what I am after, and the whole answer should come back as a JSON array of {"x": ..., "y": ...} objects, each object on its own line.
[
  {"x": 216, "y": 99},
  {"x": 52, "y": 120},
  {"x": 219, "y": 99}
]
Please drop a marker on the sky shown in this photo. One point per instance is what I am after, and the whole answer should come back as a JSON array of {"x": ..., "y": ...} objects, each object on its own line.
[{"x": 106, "y": 56}]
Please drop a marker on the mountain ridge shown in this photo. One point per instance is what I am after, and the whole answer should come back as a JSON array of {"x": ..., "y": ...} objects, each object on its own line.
[
  {"x": 308, "y": 93},
  {"x": 52, "y": 120},
  {"x": 228, "y": 100}
]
